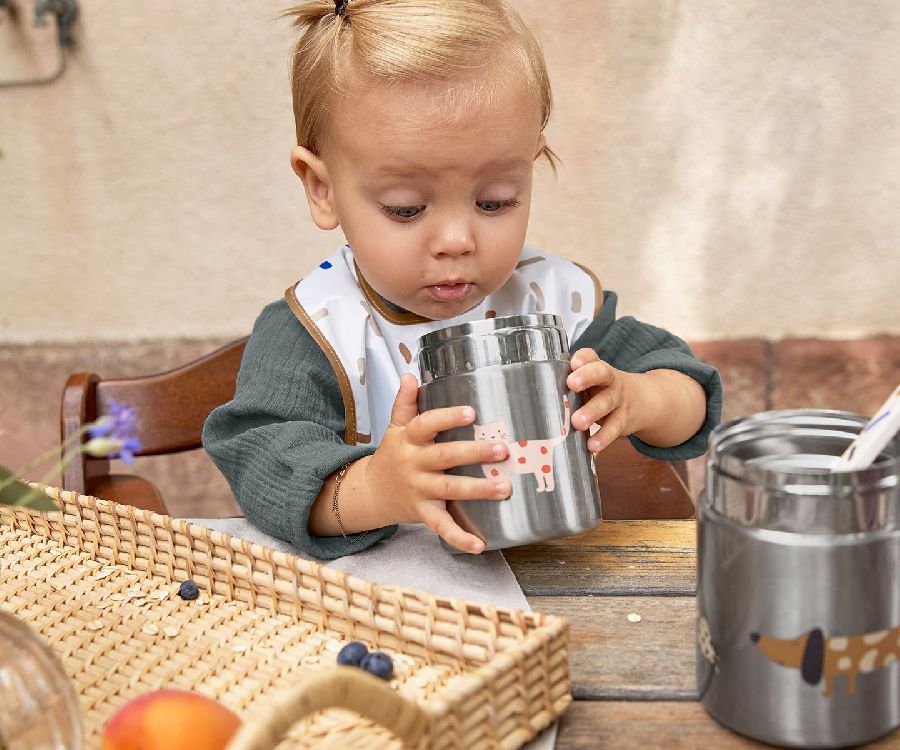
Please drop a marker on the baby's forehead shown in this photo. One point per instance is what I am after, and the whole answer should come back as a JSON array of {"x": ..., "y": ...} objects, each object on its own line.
[
  {"x": 433, "y": 105},
  {"x": 457, "y": 100},
  {"x": 454, "y": 122}
]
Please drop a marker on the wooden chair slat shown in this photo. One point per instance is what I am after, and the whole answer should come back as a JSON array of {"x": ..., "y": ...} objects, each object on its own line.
[
  {"x": 79, "y": 406},
  {"x": 128, "y": 490},
  {"x": 172, "y": 406}
]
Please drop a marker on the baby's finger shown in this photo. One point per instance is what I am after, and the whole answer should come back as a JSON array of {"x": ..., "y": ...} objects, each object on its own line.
[
  {"x": 610, "y": 429},
  {"x": 424, "y": 428},
  {"x": 452, "y": 487},
  {"x": 597, "y": 407},
  {"x": 591, "y": 374},
  {"x": 441, "y": 456},
  {"x": 405, "y": 407},
  {"x": 582, "y": 357},
  {"x": 441, "y": 523}
]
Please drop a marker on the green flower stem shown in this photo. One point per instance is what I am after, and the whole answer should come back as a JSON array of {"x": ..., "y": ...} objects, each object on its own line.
[
  {"x": 26, "y": 498},
  {"x": 16, "y": 476}
]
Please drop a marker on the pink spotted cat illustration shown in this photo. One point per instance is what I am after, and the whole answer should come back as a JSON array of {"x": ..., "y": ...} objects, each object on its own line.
[{"x": 525, "y": 456}]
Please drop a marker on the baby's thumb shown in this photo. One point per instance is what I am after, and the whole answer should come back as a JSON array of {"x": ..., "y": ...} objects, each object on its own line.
[{"x": 405, "y": 405}]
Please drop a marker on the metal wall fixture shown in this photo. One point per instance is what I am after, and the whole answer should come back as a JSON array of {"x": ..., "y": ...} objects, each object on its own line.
[{"x": 65, "y": 13}]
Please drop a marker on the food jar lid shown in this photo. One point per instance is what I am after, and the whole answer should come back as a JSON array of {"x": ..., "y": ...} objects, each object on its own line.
[
  {"x": 494, "y": 341},
  {"x": 773, "y": 470}
]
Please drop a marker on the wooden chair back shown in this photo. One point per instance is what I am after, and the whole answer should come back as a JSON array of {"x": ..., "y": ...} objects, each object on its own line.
[{"x": 172, "y": 406}]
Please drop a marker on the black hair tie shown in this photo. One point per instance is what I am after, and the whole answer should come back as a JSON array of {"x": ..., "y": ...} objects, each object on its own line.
[{"x": 340, "y": 7}]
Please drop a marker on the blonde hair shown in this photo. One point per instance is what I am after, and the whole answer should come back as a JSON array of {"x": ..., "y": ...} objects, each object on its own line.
[{"x": 410, "y": 42}]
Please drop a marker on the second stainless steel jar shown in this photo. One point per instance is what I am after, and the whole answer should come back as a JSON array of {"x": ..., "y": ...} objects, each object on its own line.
[
  {"x": 799, "y": 582},
  {"x": 513, "y": 371}
]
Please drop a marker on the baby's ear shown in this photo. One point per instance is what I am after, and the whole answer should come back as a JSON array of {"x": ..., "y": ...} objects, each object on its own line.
[{"x": 317, "y": 183}]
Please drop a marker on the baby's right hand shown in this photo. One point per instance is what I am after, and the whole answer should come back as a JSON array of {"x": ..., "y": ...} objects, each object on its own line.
[{"x": 407, "y": 475}]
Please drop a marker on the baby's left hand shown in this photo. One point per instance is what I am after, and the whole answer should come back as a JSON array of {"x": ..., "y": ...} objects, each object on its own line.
[{"x": 612, "y": 397}]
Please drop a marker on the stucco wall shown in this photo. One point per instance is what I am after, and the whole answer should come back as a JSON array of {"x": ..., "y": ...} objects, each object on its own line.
[{"x": 731, "y": 168}]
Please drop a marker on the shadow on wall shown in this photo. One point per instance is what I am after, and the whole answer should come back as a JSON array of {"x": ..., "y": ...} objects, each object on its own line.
[
  {"x": 789, "y": 178},
  {"x": 743, "y": 137}
]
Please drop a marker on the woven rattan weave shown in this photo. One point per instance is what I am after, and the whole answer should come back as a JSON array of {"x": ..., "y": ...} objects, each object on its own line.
[{"x": 99, "y": 583}]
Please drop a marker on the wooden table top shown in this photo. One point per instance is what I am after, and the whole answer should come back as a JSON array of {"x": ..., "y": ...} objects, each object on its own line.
[{"x": 633, "y": 682}]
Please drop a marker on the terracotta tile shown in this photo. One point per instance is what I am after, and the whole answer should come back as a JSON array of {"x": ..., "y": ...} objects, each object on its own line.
[
  {"x": 851, "y": 375},
  {"x": 742, "y": 367}
]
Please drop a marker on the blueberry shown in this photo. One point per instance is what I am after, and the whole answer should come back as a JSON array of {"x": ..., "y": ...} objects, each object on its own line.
[
  {"x": 378, "y": 664},
  {"x": 352, "y": 654},
  {"x": 188, "y": 590}
]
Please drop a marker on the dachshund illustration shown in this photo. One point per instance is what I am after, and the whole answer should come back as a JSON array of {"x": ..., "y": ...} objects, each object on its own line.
[{"x": 817, "y": 657}]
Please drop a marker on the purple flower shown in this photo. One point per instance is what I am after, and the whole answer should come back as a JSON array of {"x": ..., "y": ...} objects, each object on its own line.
[
  {"x": 120, "y": 422},
  {"x": 114, "y": 435},
  {"x": 127, "y": 450}
]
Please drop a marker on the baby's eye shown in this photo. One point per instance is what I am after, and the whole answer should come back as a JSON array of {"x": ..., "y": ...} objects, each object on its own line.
[
  {"x": 402, "y": 212},
  {"x": 494, "y": 206}
]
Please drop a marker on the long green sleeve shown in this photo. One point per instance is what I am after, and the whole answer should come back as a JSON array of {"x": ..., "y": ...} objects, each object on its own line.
[{"x": 282, "y": 435}]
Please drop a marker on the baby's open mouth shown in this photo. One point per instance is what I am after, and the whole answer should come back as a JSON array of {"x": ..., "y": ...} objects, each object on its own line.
[{"x": 450, "y": 292}]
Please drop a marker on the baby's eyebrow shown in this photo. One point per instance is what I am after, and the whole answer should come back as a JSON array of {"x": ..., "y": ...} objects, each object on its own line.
[
  {"x": 378, "y": 176},
  {"x": 506, "y": 165},
  {"x": 412, "y": 171}
]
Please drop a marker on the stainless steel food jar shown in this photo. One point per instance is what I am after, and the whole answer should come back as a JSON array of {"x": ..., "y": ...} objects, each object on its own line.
[
  {"x": 512, "y": 371},
  {"x": 798, "y": 637}
]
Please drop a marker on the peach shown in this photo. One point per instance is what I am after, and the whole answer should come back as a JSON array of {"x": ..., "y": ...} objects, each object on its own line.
[{"x": 170, "y": 720}]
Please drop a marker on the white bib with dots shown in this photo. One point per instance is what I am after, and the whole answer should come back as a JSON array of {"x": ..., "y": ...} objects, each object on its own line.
[{"x": 370, "y": 344}]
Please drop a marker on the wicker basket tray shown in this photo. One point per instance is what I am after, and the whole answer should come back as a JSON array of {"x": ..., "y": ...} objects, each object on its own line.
[{"x": 99, "y": 580}]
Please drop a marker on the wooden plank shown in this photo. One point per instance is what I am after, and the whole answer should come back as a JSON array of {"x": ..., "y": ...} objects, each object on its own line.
[
  {"x": 616, "y": 558},
  {"x": 664, "y": 534},
  {"x": 611, "y": 658},
  {"x": 618, "y": 725}
]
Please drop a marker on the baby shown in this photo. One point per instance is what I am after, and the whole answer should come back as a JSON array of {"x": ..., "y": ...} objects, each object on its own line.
[{"x": 419, "y": 123}]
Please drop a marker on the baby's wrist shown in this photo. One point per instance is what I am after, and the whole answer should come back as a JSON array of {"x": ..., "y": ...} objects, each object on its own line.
[
  {"x": 646, "y": 397},
  {"x": 377, "y": 493},
  {"x": 350, "y": 504},
  {"x": 675, "y": 407}
]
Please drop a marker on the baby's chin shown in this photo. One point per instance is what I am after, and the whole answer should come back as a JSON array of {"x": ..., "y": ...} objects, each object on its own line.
[
  {"x": 426, "y": 306},
  {"x": 446, "y": 310}
]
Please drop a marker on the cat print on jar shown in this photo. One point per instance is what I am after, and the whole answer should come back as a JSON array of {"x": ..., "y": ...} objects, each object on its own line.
[{"x": 525, "y": 456}]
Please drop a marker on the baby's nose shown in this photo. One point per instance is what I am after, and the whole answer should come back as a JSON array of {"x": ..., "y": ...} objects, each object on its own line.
[{"x": 454, "y": 239}]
